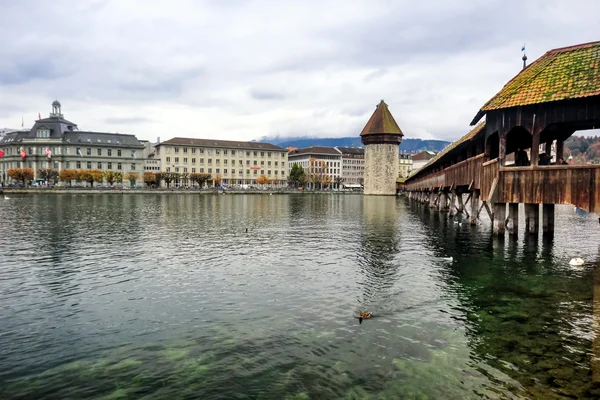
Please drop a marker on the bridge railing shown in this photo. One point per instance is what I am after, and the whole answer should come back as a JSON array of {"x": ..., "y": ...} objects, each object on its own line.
[
  {"x": 489, "y": 173},
  {"x": 464, "y": 173},
  {"x": 578, "y": 185}
]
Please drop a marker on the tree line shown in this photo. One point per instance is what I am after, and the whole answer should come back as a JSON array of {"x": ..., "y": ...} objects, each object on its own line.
[
  {"x": 91, "y": 176},
  {"x": 583, "y": 149}
]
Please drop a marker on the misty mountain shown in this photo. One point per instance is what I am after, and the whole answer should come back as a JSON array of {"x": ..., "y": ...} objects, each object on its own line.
[{"x": 407, "y": 145}]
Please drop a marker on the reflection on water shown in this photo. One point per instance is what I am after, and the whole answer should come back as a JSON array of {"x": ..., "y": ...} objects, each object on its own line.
[{"x": 144, "y": 296}]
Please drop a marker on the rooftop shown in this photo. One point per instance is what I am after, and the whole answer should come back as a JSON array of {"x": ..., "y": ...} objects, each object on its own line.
[
  {"x": 316, "y": 150},
  {"x": 226, "y": 144},
  {"x": 358, "y": 151},
  {"x": 381, "y": 122},
  {"x": 479, "y": 129},
  {"x": 560, "y": 74}
]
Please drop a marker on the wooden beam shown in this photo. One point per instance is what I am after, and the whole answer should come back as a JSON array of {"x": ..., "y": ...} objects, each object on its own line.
[
  {"x": 487, "y": 208},
  {"x": 492, "y": 194},
  {"x": 474, "y": 204},
  {"x": 461, "y": 205},
  {"x": 469, "y": 197},
  {"x": 470, "y": 188}
]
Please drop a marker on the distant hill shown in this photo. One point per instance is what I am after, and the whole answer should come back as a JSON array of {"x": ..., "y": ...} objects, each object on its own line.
[{"x": 408, "y": 145}]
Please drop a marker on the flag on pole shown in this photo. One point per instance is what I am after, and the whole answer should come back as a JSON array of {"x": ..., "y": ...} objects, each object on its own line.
[
  {"x": 22, "y": 122},
  {"x": 79, "y": 153},
  {"x": 23, "y": 153},
  {"x": 39, "y": 116},
  {"x": 523, "y": 48},
  {"x": 48, "y": 152},
  {"x": 1, "y": 154}
]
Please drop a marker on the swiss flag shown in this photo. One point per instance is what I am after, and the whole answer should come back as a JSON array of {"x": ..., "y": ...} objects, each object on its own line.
[
  {"x": 23, "y": 153},
  {"x": 1, "y": 154}
]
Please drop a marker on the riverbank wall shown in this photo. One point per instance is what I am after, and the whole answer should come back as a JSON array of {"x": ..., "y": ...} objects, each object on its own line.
[{"x": 38, "y": 191}]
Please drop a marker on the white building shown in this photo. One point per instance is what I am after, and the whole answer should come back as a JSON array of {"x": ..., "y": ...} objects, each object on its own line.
[
  {"x": 422, "y": 158},
  {"x": 151, "y": 161},
  {"x": 405, "y": 166},
  {"x": 353, "y": 166},
  {"x": 325, "y": 161}
]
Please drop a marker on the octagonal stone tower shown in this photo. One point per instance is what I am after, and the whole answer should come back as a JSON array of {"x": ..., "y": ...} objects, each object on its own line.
[{"x": 382, "y": 137}]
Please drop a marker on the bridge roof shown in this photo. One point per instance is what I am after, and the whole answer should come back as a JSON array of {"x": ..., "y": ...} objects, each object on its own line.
[
  {"x": 381, "y": 122},
  {"x": 560, "y": 74},
  {"x": 449, "y": 150}
]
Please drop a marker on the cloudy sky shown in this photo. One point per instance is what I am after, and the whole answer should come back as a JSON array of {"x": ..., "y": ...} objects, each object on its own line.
[{"x": 242, "y": 70}]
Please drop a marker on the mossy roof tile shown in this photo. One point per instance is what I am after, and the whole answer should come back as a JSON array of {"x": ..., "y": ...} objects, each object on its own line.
[{"x": 560, "y": 74}]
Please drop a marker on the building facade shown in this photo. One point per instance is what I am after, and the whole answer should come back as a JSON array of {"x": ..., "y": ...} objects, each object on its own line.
[
  {"x": 422, "y": 158},
  {"x": 57, "y": 143},
  {"x": 353, "y": 166},
  {"x": 405, "y": 165},
  {"x": 235, "y": 163},
  {"x": 151, "y": 162},
  {"x": 321, "y": 161}
]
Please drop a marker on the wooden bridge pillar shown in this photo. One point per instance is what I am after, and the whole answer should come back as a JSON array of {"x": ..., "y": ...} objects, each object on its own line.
[
  {"x": 548, "y": 219},
  {"x": 513, "y": 218},
  {"x": 532, "y": 218},
  {"x": 431, "y": 199},
  {"x": 443, "y": 202},
  {"x": 452, "y": 208},
  {"x": 499, "y": 218},
  {"x": 474, "y": 206}
]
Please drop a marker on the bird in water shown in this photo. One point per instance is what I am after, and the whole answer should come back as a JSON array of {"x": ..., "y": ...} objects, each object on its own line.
[{"x": 364, "y": 315}]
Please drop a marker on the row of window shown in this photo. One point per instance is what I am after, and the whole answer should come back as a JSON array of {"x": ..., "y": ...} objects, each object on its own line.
[
  {"x": 98, "y": 165},
  {"x": 225, "y": 171},
  {"x": 224, "y": 152},
  {"x": 218, "y": 162},
  {"x": 57, "y": 151},
  {"x": 67, "y": 165}
]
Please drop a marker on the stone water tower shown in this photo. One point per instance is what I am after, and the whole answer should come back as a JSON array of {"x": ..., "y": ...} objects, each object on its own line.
[{"x": 382, "y": 137}]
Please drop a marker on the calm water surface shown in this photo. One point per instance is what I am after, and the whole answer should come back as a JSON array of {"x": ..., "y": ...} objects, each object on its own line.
[{"x": 154, "y": 297}]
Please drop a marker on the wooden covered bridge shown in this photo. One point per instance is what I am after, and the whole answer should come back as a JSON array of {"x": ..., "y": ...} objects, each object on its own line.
[{"x": 506, "y": 159}]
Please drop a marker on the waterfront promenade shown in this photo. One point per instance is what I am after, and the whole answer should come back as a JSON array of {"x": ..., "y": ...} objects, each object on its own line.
[{"x": 191, "y": 191}]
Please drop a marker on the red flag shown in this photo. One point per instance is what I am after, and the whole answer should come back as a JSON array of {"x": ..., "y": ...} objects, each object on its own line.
[
  {"x": 1, "y": 154},
  {"x": 23, "y": 153},
  {"x": 48, "y": 152}
]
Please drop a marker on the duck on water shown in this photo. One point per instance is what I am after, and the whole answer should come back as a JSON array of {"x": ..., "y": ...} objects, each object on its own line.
[{"x": 364, "y": 315}]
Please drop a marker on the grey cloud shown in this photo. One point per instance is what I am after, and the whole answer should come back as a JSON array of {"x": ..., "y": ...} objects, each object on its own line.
[
  {"x": 127, "y": 120},
  {"x": 263, "y": 94},
  {"x": 248, "y": 68}
]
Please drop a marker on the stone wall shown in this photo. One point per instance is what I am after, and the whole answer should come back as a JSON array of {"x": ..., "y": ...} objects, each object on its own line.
[{"x": 381, "y": 169}]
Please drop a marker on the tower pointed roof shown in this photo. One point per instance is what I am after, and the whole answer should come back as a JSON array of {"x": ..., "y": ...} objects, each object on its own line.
[{"x": 381, "y": 122}]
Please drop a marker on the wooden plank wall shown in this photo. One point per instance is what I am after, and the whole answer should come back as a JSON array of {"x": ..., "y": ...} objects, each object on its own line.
[
  {"x": 465, "y": 172},
  {"x": 490, "y": 172},
  {"x": 578, "y": 185},
  {"x": 460, "y": 174},
  {"x": 431, "y": 181}
]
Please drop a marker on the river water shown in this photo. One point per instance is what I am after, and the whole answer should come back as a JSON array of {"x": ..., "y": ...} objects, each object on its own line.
[{"x": 168, "y": 296}]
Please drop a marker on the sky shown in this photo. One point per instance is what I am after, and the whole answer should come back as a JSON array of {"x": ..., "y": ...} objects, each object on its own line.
[{"x": 243, "y": 70}]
